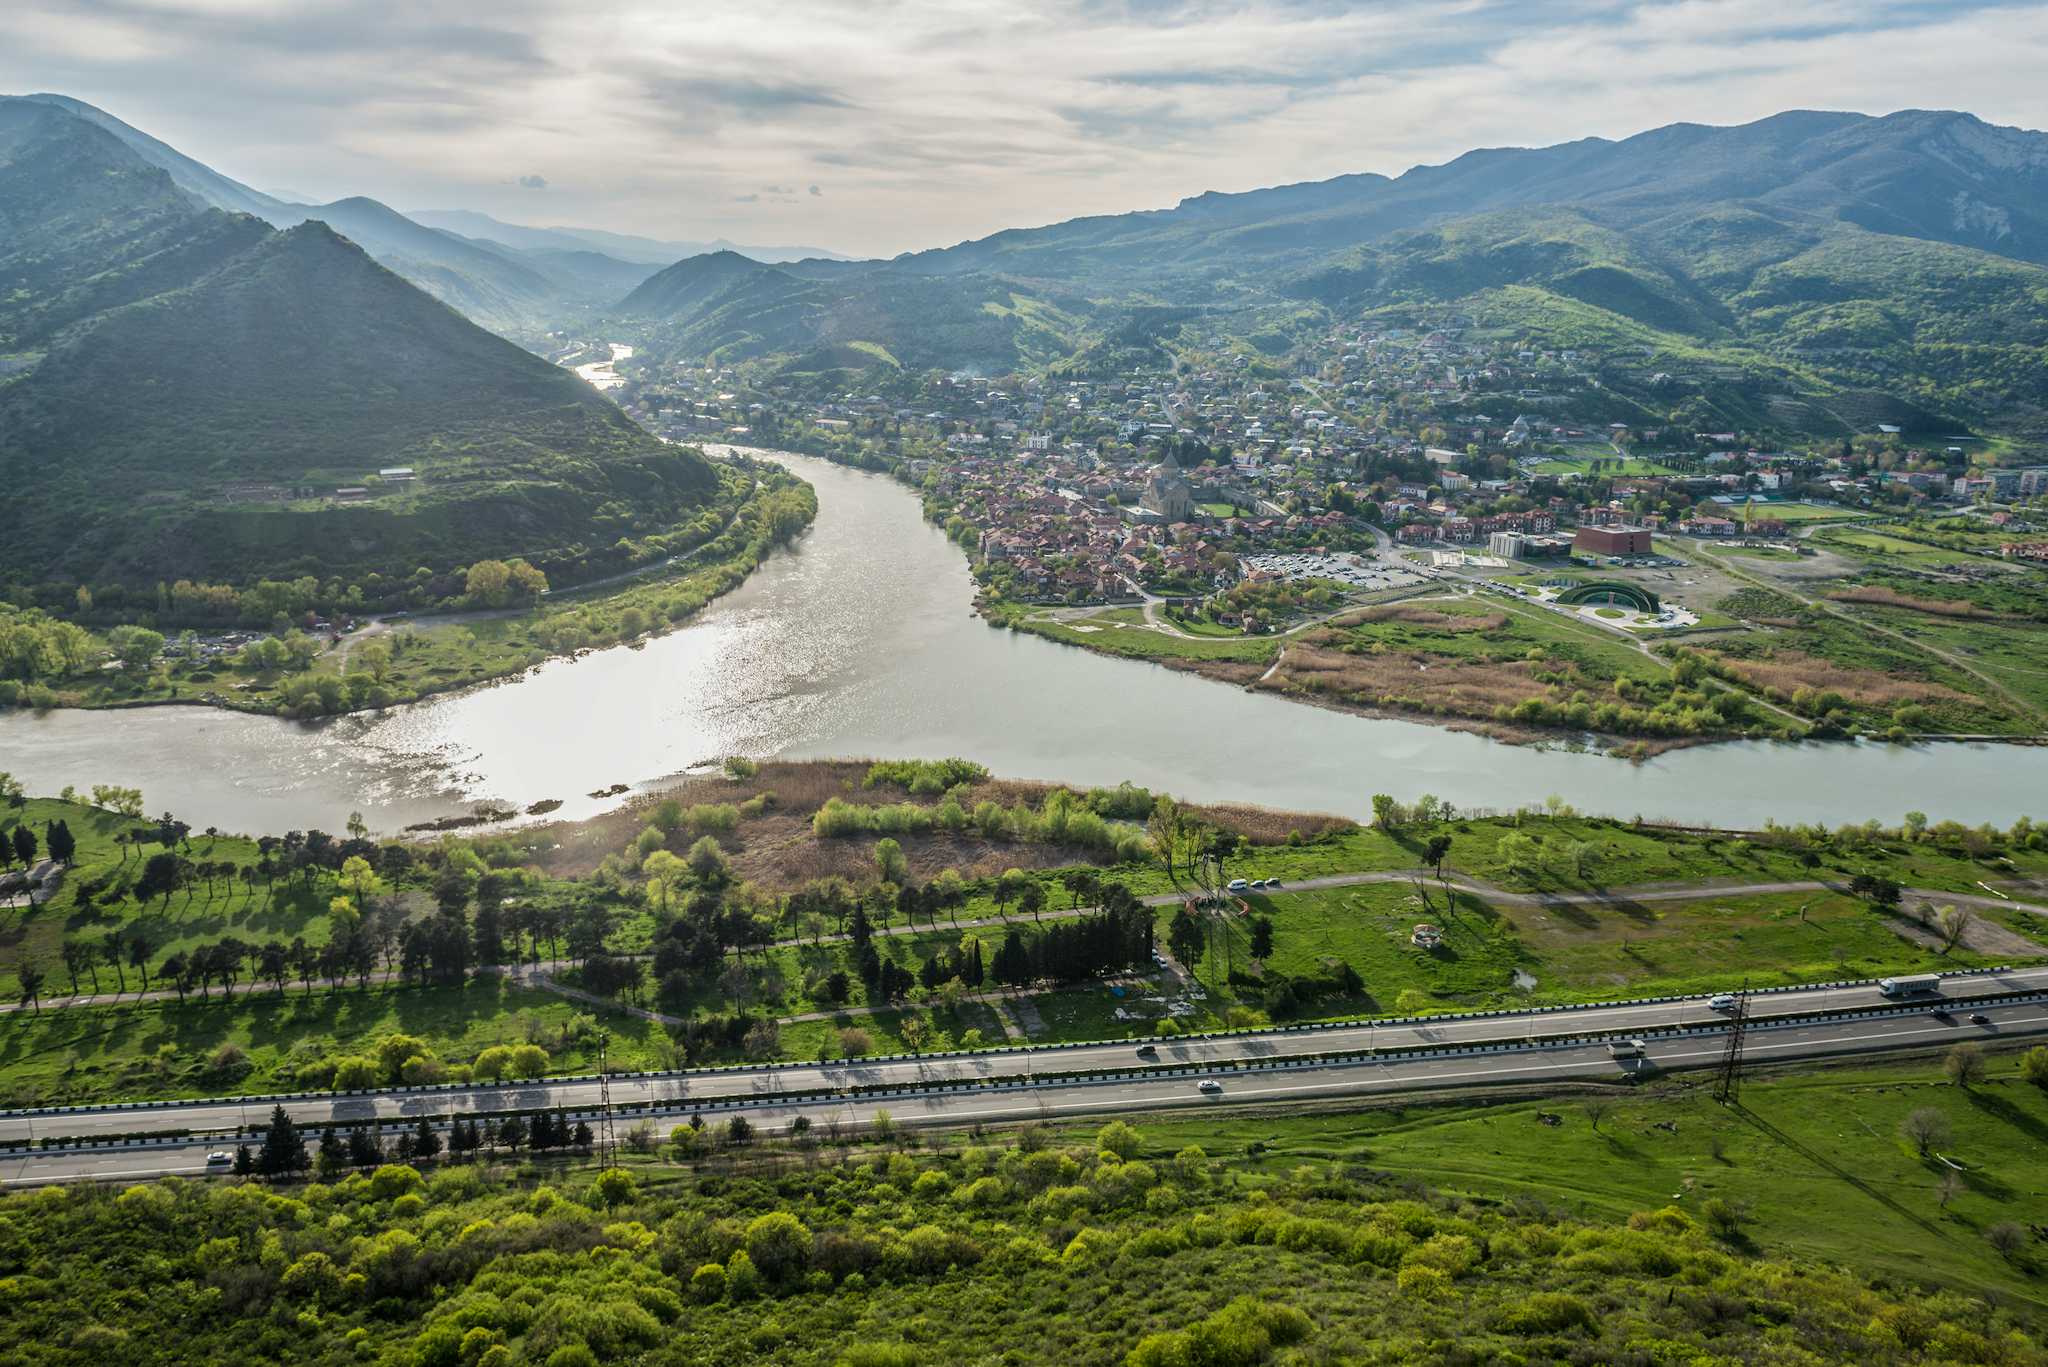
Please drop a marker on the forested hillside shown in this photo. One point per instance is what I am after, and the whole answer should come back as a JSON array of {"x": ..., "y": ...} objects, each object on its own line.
[
  {"x": 1027, "y": 1249},
  {"x": 190, "y": 392},
  {"x": 1800, "y": 269}
]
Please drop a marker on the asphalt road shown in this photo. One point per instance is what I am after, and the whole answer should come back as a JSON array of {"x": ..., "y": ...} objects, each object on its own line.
[
  {"x": 1348, "y": 1080},
  {"x": 763, "y": 1085}
]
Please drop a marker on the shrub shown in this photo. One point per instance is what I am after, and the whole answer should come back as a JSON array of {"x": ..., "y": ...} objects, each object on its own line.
[
  {"x": 707, "y": 1283},
  {"x": 1546, "y": 1312}
]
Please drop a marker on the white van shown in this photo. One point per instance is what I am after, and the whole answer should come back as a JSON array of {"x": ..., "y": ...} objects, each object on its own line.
[
  {"x": 1627, "y": 1048},
  {"x": 1721, "y": 1001}
]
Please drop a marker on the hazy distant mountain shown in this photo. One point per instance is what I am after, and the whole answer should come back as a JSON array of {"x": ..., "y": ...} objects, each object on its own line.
[
  {"x": 624, "y": 246},
  {"x": 1798, "y": 272},
  {"x": 510, "y": 293},
  {"x": 187, "y": 387}
]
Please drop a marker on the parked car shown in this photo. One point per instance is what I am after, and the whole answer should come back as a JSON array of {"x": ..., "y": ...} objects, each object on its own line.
[{"x": 1238, "y": 885}]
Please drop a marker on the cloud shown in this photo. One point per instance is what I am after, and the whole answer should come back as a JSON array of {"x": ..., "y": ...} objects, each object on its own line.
[
  {"x": 534, "y": 182},
  {"x": 941, "y": 122}
]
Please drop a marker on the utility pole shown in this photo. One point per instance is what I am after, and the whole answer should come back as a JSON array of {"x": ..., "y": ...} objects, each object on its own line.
[
  {"x": 607, "y": 1146},
  {"x": 1728, "y": 1088}
]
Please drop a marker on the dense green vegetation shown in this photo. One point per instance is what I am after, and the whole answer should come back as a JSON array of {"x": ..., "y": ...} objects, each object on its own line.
[
  {"x": 1689, "y": 1234},
  {"x": 505, "y": 621}
]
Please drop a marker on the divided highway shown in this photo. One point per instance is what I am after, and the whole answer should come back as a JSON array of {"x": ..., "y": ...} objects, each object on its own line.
[{"x": 1168, "y": 1079}]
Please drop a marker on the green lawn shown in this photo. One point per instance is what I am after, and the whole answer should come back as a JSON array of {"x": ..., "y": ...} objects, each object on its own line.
[
  {"x": 1571, "y": 954},
  {"x": 263, "y": 1042},
  {"x": 1815, "y": 1158},
  {"x": 201, "y": 913}
]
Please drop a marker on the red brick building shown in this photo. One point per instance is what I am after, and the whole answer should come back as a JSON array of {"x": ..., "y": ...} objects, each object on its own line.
[{"x": 1606, "y": 541}]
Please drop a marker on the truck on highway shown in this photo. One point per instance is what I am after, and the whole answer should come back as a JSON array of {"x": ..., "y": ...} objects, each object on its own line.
[{"x": 1917, "y": 985}]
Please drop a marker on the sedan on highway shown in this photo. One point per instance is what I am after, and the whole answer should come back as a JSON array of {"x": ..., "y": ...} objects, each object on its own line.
[{"x": 1211, "y": 1086}]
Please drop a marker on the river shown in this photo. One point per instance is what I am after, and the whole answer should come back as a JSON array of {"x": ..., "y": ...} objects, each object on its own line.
[{"x": 859, "y": 641}]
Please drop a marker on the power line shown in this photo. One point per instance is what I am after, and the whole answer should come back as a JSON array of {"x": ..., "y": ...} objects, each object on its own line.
[{"x": 1728, "y": 1088}]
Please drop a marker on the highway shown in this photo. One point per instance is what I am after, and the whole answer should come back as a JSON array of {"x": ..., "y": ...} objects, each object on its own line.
[
  {"x": 678, "y": 1094},
  {"x": 1572, "y": 1063}
]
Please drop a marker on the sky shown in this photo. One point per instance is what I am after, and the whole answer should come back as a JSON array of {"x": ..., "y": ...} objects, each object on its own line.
[{"x": 874, "y": 127}]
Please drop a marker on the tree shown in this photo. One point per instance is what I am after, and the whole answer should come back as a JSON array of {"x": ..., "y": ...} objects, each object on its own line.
[
  {"x": 890, "y": 864},
  {"x": 614, "y": 1187},
  {"x": 779, "y": 1244},
  {"x": 1953, "y": 923},
  {"x": 1386, "y": 813},
  {"x": 1950, "y": 1186},
  {"x": 1964, "y": 1065},
  {"x": 30, "y": 974},
  {"x": 25, "y": 845},
  {"x": 1433, "y": 852},
  {"x": 707, "y": 862},
  {"x": 1262, "y": 937},
  {"x": 1031, "y": 901},
  {"x": 916, "y": 1033},
  {"x": 284, "y": 1148},
  {"x": 425, "y": 1143},
  {"x": 136, "y": 647},
  {"x": 1926, "y": 1129},
  {"x": 2034, "y": 1066},
  {"x": 2007, "y": 1240},
  {"x": 63, "y": 846}
]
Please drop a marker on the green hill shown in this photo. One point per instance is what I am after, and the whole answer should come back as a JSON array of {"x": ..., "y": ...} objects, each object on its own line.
[{"x": 199, "y": 422}]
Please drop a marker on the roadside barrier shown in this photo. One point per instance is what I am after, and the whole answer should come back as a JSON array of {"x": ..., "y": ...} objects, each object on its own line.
[
  {"x": 1595, "y": 1044},
  {"x": 742, "y": 1069}
]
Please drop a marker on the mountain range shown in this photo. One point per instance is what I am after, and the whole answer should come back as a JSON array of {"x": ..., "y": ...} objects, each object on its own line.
[
  {"x": 1799, "y": 273},
  {"x": 183, "y": 389},
  {"x": 516, "y": 281}
]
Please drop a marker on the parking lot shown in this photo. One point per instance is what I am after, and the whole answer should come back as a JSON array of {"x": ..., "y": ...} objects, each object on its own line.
[{"x": 1354, "y": 570}]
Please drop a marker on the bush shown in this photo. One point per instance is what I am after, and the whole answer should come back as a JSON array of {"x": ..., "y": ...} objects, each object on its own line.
[
  {"x": 707, "y": 1284},
  {"x": 1546, "y": 1312}
]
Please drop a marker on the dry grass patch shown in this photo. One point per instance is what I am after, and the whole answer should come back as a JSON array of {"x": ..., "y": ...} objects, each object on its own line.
[
  {"x": 1402, "y": 678},
  {"x": 1789, "y": 671},
  {"x": 1936, "y": 607}
]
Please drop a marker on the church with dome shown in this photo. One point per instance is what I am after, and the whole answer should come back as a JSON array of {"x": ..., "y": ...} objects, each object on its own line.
[{"x": 1168, "y": 493}]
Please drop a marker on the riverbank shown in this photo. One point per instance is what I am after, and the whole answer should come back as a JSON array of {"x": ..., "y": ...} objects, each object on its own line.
[
  {"x": 418, "y": 657},
  {"x": 860, "y": 639}
]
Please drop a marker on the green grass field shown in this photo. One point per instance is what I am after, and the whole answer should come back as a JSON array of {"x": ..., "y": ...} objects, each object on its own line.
[
  {"x": 1571, "y": 954},
  {"x": 1815, "y": 1158}
]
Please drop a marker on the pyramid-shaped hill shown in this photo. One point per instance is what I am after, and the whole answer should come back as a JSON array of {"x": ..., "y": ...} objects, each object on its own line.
[{"x": 227, "y": 418}]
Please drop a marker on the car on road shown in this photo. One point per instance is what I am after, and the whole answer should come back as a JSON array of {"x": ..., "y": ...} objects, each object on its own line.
[
  {"x": 1979, "y": 1018},
  {"x": 1148, "y": 1051},
  {"x": 1942, "y": 1015},
  {"x": 218, "y": 1159},
  {"x": 1238, "y": 885},
  {"x": 1211, "y": 1086},
  {"x": 1721, "y": 1001},
  {"x": 1627, "y": 1048}
]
